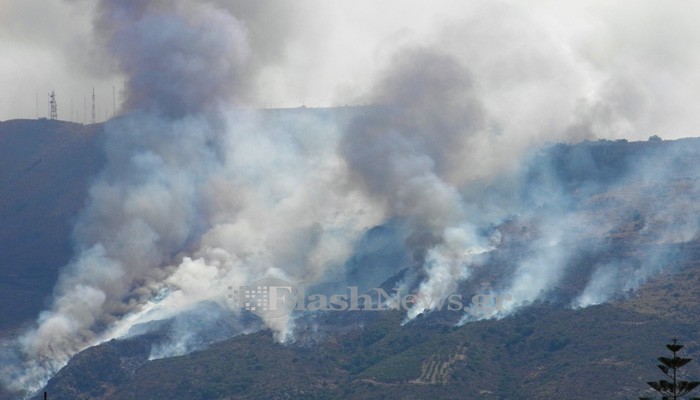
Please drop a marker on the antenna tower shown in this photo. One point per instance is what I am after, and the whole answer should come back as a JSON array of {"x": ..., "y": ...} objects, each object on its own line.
[
  {"x": 53, "y": 107},
  {"x": 93, "y": 105}
]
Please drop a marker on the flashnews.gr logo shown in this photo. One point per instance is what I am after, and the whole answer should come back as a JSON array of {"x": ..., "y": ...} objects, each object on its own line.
[
  {"x": 272, "y": 297},
  {"x": 268, "y": 297}
]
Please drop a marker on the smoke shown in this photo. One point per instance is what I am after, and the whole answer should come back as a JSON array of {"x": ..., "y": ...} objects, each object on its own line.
[
  {"x": 200, "y": 194},
  {"x": 196, "y": 196},
  {"x": 407, "y": 154},
  {"x": 182, "y": 60}
]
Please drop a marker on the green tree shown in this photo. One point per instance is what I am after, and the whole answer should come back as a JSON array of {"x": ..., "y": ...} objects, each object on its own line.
[{"x": 675, "y": 388}]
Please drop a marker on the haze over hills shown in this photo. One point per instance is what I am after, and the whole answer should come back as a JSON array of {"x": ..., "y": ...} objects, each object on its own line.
[{"x": 632, "y": 228}]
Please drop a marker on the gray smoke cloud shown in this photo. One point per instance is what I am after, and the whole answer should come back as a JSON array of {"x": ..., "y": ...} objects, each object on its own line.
[
  {"x": 194, "y": 54},
  {"x": 196, "y": 196},
  {"x": 407, "y": 154},
  {"x": 182, "y": 60}
]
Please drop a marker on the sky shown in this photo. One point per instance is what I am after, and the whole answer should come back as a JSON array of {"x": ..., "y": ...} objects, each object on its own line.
[{"x": 635, "y": 63}]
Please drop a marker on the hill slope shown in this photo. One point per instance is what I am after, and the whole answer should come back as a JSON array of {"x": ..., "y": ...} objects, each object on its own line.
[
  {"x": 45, "y": 169},
  {"x": 605, "y": 351},
  {"x": 547, "y": 350}
]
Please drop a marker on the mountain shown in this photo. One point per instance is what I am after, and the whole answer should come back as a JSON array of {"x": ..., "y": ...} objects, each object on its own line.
[
  {"x": 605, "y": 351},
  {"x": 634, "y": 257},
  {"x": 45, "y": 169}
]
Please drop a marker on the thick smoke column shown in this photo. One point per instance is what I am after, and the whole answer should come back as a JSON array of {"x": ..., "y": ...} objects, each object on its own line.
[
  {"x": 409, "y": 155},
  {"x": 181, "y": 58},
  {"x": 182, "y": 61},
  {"x": 196, "y": 196}
]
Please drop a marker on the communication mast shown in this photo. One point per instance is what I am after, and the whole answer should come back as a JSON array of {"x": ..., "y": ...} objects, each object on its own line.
[
  {"x": 53, "y": 107},
  {"x": 93, "y": 105}
]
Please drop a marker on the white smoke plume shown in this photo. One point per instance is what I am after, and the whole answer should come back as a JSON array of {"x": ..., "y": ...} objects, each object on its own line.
[
  {"x": 182, "y": 60},
  {"x": 187, "y": 174}
]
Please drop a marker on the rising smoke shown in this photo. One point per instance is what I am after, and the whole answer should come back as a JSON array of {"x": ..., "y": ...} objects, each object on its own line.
[
  {"x": 200, "y": 193},
  {"x": 182, "y": 62}
]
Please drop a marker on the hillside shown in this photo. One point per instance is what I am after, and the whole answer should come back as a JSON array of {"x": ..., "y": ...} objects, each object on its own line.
[
  {"x": 605, "y": 351},
  {"x": 634, "y": 215},
  {"x": 45, "y": 169}
]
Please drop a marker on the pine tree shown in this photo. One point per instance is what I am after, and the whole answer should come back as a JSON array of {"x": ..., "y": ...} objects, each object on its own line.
[{"x": 672, "y": 390}]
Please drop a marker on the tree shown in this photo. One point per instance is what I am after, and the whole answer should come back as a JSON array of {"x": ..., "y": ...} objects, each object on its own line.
[{"x": 672, "y": 390}]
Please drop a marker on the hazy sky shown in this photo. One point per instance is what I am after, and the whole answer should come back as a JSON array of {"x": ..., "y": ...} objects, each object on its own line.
[{"x": 633, "y": 66}]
